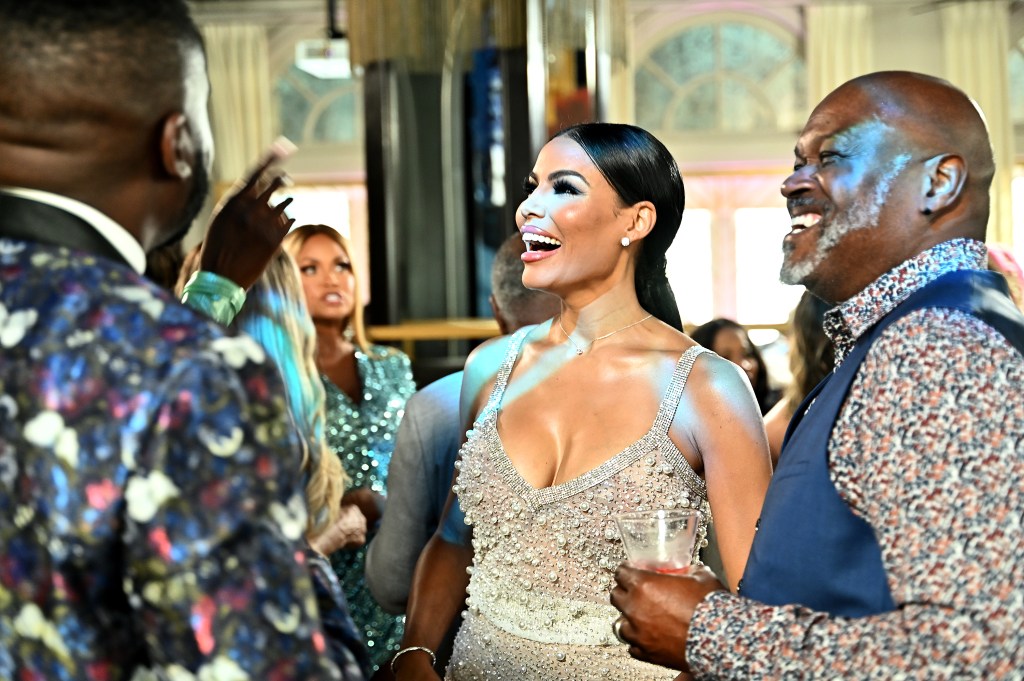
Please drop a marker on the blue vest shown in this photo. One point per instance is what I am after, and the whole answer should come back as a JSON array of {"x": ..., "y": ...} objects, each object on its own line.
[{"x": 810, "y": 548}]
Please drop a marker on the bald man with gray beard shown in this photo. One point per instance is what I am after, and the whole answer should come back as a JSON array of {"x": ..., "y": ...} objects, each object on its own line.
[{"x": 890, "y": 544}]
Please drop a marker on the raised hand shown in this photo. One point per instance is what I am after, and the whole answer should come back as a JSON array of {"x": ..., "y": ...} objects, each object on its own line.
[{"x": 246, "y": 230}]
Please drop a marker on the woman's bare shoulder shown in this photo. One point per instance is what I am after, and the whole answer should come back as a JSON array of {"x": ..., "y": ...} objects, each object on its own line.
[
  {"x": 483, "y": 364},
  {"x": 718, "y": 378}
]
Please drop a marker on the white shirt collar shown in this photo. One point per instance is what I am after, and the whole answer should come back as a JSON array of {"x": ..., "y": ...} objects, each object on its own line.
[{"x": 130, "y": 249}]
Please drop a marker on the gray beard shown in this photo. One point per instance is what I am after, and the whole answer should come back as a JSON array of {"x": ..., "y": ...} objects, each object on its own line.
[{"x": 863, "y": 214}]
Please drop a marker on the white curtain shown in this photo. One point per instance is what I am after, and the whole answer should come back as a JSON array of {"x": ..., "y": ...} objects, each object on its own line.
[
  {"x": 839, "y": 46},
  {"x": 980, "y": 67},
  {"x": 240, "y": 105}
]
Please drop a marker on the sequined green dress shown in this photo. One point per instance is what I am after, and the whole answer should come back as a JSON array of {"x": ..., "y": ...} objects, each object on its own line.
[
  {"x": 362, "y": 435},
  {"x": 544, "y": 559}
]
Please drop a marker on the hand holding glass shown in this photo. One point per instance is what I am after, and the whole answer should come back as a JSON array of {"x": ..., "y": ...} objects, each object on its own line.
[{"x": 659, "y": 541}]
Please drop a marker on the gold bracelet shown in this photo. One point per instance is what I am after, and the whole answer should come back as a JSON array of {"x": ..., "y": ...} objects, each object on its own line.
[{"x": 403, "y": 651}]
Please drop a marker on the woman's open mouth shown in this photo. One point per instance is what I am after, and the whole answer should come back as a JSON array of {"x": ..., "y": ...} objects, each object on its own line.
[{"x": 539, "y": 242}]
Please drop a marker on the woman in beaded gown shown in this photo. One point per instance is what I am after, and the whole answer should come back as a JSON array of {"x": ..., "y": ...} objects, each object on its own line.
[
  {"x": 606, "y": 408},
  {"x": 366, "y": 388}
]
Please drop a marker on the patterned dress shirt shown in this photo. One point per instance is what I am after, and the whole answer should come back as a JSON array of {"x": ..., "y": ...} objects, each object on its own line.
[
  {"x": 929, "y": 450},
  {"x": 151, "y": 505}
]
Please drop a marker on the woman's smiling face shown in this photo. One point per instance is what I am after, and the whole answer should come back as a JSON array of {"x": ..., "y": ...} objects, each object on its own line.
[{"x": 571, "y": 220}]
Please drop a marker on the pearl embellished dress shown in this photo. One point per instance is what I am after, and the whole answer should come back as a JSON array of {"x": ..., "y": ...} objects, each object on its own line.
[{"x": 544, "y": 559}]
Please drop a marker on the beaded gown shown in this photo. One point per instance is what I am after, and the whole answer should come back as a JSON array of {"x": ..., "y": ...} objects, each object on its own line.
[
  {"x": 544, "y": 559},
  {"x": 362, "y": 435}
]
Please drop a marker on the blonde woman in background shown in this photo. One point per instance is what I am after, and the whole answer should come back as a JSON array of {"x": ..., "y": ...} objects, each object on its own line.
[
  {"x": 275, "y": 315},
  {"x": 366, "y": 387}
]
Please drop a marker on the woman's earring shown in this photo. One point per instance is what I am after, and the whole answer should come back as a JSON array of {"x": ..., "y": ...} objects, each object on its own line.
[
  {"x": 349, "y": 333},
  {"x": 624, "y": 241}
]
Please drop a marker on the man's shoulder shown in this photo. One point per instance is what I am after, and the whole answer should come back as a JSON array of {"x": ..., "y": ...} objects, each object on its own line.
[
  {"x": 948, "y": 347},
  {"x": 82, "y": 301},
  {"x": 433, "y": 411},
  {"x": 949, "y": 329},
  {"x": 443, "y": 391},
  {"x": 82, "y": 285}
]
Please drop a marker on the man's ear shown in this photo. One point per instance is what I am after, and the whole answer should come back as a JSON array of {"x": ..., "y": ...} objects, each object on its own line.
[
  {"x": 943, "y": 182},
  {"x": 177, "y": 148},
  {"x": 644, "y": 217}
]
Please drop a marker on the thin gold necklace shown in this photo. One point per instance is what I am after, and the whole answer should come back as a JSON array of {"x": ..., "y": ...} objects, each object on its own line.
[{"x": 579, "y": 350}]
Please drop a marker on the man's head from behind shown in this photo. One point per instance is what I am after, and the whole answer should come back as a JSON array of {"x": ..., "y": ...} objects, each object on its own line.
[
  {"x": 515, "y": 305},
  {"x": 888, "y": 165},
  {"x": 105, "y": 102}
]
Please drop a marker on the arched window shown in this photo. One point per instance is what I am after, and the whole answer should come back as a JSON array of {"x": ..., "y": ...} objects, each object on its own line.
[
  {"x": 317, "y": 109},
  {"x": 320, "y": 108},
  {"x": 717, "y": 74},
  {"x": 721, "y": 88}
]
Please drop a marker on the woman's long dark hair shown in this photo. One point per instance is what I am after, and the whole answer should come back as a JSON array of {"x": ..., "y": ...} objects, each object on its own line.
[
  {"x": 640, "y": 168},
  {"x": 811, "y": 355}
]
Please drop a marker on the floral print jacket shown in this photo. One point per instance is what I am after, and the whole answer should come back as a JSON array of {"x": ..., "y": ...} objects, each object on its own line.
[{"x": 151, "y": 505}]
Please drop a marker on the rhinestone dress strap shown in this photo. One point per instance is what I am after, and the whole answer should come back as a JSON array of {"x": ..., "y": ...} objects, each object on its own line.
[
  {"x": 655, "y": 438},
  {"x": 515, "y": 342},
  {"x": 670, "y": 402}
]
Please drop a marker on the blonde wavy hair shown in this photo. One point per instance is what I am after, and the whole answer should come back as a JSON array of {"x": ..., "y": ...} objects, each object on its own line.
[
  {"x": 294, "y": 242},
  {"x": 275, "y": 316}
]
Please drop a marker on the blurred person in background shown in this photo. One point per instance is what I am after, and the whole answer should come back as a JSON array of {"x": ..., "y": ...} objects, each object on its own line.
[
  {"x": 729, "y": 340},
  {"x": 1001, "y": 260},
  {"x": 366, "y": 387}
]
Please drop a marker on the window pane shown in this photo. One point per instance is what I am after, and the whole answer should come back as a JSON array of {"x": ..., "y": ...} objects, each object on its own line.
[
  {"x": 689, "y": 54},
  {"x": 760, "y": 297},
  {"x": 316, "y": 109},
  {"x": 699, "y": 110},
  {"x": 752, "y": 51},
  {"x": 1017, "y": 84},
  {"x": 652, "y": 98},
  {"x": 742, "y": 110},
  {"x": 689, "y": 266},
  {"x": 722, "y": 75},
  {"x": 337, "y": 122}
]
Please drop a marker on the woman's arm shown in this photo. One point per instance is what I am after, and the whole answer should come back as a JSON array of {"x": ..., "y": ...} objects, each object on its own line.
[
  {"x": 437, "y": 595},
  {"x": 441, "y": 577},
  {"x": 729, "y": 434}
]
